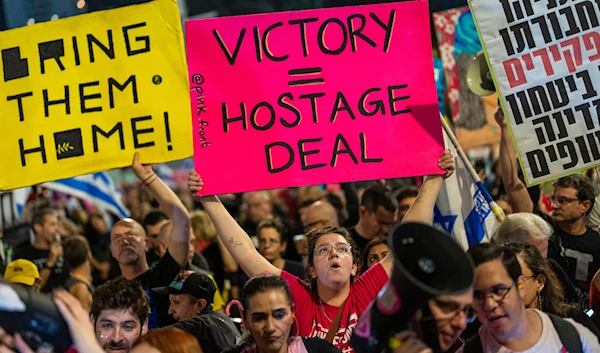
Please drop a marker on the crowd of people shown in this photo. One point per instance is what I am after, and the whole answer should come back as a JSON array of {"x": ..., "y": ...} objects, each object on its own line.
[{"x": 293, "y": 270}]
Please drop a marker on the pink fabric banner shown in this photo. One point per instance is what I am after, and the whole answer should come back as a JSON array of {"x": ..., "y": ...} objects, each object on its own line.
[{"x": 313, "y": 97}]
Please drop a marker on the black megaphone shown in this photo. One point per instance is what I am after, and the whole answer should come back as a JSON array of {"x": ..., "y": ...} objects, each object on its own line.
[{"x": 428, "y": 263}]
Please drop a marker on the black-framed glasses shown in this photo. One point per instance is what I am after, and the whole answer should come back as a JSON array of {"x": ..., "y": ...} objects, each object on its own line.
[
  {"x": 498, "y": 294},
  {"x": 450, "y": 310},
  {"x": 561, "y": 200}
]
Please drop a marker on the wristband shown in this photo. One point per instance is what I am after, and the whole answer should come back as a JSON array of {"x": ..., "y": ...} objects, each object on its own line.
[
  {"x": 48, "y": 267},
  {"x": 144, "y": 181},
  {"x": 151, "y": 181}
]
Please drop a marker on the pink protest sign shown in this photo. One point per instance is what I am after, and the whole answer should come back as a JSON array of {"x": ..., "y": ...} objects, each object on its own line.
[{"x": 313, "y": 97}]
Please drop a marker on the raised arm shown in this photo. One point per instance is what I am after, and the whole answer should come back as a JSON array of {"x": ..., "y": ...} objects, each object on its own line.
[
  {"x": 421, "y": 210},
  {"x": 229, "y": 263},
  {"x": 178, "y": 244},
  {"x": 235, "y": 239},
  {"x": 516, "y": 190}
]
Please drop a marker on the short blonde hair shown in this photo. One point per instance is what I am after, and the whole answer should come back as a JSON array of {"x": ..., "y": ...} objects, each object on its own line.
[
  {"x": 519, "y": 227},
  {"x": 202, "y": 226}
]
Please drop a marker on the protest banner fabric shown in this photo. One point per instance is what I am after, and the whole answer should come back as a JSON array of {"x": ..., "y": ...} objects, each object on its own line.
[
  {"x": 81, "y": 94},
  {"x": 311, "y": 97},
  {"x": 542, "y": 55}
]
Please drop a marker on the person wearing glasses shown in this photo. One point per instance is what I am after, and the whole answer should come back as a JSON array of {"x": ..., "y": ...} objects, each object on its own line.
[
  {"x": 574, "y": 246},
  {"x": 543, "y": 290},
  {"x": 507, "y": 325},
  {"x": 525, "y": 227},
  {"x": 330, "y": 304}
]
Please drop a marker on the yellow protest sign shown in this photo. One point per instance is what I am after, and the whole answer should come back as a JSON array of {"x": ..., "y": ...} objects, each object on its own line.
[{"x": 82, "y": 94}]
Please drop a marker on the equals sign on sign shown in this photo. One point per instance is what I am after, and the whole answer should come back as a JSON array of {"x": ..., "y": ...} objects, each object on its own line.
[{"x": 300, "y": 77}]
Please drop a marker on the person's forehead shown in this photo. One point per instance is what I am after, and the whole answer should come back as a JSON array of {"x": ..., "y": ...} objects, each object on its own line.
[
  {"x": 313, "y": 215},
  {"x": 156, "y": 227},
  {"x": 379, "y": 248},
  {"x": 331, "y": 238},
  {"x": 118, "y": 315},
  {"x": 489, "y": 274},
  {"x": 269, "y": 233},
  {"x": 121, "y": 229},
  {"x": 567, "y": 192},
  {"x": 270, "y": 300},
  {"x": 51, "y": 218},
  {"x": 256, "y": 198},
  {"x": 383, "y": 213},
  {"x": 408, "y": 200},
  {"x": 178, "y": 297}
]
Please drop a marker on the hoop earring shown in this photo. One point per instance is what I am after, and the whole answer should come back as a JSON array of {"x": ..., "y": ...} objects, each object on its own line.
[{"x": 296, "y": 325}]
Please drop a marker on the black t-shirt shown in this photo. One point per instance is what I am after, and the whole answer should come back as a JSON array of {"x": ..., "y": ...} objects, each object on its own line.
[
  {"x": 578, "y": 255},
  {"x": 60, "y": 272},
  {"x": 214, "y": 331},
  {"x": 296, "y": 268},
  {"x": 358, "y": 239},
  {"x": 313, "y": 345},
  {"x": 569, "y": 291},
  {"x": 152, "y": 257},
  {"x": 159, "y": 275}
]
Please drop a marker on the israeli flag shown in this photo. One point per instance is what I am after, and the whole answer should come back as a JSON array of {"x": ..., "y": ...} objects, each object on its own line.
[
  {"x": 97, "y": 188},
  {"x": 462, "y": 208}
]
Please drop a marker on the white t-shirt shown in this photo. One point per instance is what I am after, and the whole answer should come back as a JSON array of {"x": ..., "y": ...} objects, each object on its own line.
[{"x": 549, "y": 341}]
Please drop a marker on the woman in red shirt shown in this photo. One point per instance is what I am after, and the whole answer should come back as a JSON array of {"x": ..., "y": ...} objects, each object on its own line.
[{"x": 332, "y": 265}]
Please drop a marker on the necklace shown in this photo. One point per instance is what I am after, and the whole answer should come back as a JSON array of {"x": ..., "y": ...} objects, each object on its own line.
[{"x": 323, "y": 310}]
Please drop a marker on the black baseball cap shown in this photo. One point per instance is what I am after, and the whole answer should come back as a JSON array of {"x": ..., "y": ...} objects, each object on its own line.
[{"x": 198, "y": 285}]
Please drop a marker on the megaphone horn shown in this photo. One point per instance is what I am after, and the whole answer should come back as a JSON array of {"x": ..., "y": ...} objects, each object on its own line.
[
  {"x": 479, "y": 77},
  {"x": 428, "y": 263}
]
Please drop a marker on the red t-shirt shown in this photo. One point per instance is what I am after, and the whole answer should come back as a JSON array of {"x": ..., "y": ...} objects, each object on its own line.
[{"x": 312, "y": 321}]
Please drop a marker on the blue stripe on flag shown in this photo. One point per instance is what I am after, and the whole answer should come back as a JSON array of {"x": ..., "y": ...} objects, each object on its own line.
[
  {"x": 93, "y": 191},
  {"x": 101, "y": 176},
  {"x": 474, "y": 224}
]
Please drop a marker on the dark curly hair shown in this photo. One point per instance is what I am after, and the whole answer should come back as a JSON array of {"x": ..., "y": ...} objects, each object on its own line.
[
  {"x": 486, "y": 252},
  {"x": 121, "y": 293},
  {"x": 315, "y": 234}
]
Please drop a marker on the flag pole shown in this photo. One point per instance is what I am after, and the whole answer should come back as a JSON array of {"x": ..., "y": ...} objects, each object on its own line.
[{"x": 493, "y": 205}]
